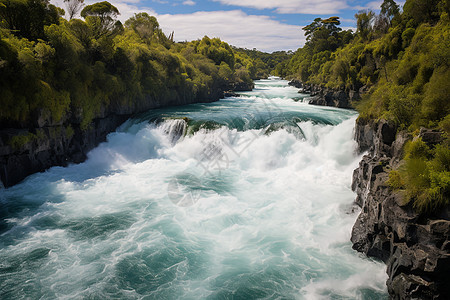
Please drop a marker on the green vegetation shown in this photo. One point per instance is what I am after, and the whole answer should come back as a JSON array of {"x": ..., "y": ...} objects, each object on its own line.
[
  {"x": 21, "y": 140},
  {"x": 401, "y": 60},
  {"x": 425, "y": 176},
  {"x": 261, "y": 64},
  {"x": 74, "y": 71}
]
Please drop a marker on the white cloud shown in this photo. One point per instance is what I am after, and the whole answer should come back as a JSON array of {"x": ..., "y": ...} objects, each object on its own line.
[
  {"x": 376, "y": 5},
  {"x": 236, "y": 28},
  {"x": 343, "y": 20},
  {"x": 189, "y": 2},
  {"x": 292, "y": 6},
  {"x": 349, "y": 27}
]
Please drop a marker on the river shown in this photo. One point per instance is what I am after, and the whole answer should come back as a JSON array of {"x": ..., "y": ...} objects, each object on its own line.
[{"x": 244, "y": 198}]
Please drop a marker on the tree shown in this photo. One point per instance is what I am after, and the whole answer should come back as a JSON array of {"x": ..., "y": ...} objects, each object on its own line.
[
  {"x": 143, "y": 24},
  {"x": 73, "y": 7},
  {"x": 101, "y": 17},
  {"x": 389, "y": 9},
  {"x": 27, "y": 18},
  {"x": 364, "y": 23},
  {"x": 328, "y": 27},
  {"x": 332, "y": 24},
  {"x": 322, "y": 35},
  {"x": 82, "y": 31},
  {"x": 311, "y": 28},
  {"x": 422, "y": 10},
  {"x": 389, "y": 13}
]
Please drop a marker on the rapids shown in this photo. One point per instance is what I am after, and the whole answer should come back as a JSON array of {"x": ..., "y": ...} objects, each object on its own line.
[{"x": 243, "y": 198}]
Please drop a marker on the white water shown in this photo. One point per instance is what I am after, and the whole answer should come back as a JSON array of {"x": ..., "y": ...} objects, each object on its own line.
[{"x": 239, "y": 212}]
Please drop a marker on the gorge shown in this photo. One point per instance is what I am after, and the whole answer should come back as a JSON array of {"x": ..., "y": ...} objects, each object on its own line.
[
  {"x": 136, "y": 166},
  {"x": 244, "y": 197}
]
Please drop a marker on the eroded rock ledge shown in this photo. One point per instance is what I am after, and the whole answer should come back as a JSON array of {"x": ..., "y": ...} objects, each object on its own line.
[
  {"x": 415, "y": 248},
  {"x": 324, "y": 96},
  {"x": 46, "y": 143}
]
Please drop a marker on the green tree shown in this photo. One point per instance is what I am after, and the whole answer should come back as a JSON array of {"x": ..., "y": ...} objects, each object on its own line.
[
  {"x": 311, "y": 28},
  {"x": 364, "y": 23},
  {"x": 101, "y": 17},
  {"x": 389, "y": 9},
  {"x": 143, "y": 24},
  {"x": 421, "y": 11},
  {"x": 27, "y": 18}
]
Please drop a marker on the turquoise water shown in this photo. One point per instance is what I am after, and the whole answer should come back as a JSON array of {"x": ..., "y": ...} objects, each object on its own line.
[{"x": 244, "y": 198}]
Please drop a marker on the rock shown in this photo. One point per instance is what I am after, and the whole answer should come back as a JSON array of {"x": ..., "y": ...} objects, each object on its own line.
[
  {"x": 329, "y": 97},
  {"x": 242, "y": 86},
  {"x": 415, "y": 249},
  {"x": 364, "y": 134},
  {"x": 52, "y": 145},
  {"x": 296, "y": 83},
  {"x": 230, "y": 94},
  {"x": 397, "y": 147},
  {"x": 430, "y": 137},
  {"x": 324, "y": 96},
  {"x": 384, "y": 137},
  {"x": 354, "y": 96}
]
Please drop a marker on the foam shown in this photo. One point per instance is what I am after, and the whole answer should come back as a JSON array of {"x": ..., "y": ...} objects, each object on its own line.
[{"x": 270, "y": 221}]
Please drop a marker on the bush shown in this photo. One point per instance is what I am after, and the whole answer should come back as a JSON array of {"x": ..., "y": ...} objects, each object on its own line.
[{"x": 425, "y": 176}]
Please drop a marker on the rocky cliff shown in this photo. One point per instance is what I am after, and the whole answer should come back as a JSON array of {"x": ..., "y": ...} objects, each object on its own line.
[
  {"x": 414, "y": 247},
  {"x": 43, "y": 143},
  {"x": 324, "y": 96}
]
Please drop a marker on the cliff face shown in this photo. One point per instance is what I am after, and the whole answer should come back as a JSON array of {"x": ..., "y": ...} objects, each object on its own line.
[
  {"x": 415, "y": 248},
  {"x": 46, "y": 143},
  {"x": 324, "y": 96}
]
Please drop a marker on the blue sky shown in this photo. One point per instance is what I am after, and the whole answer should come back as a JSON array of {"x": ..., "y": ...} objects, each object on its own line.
[{"x": 267, "y": 25}]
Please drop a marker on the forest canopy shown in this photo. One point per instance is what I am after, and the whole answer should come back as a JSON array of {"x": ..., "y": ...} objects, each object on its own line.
[{"x": 76, "y": 70}]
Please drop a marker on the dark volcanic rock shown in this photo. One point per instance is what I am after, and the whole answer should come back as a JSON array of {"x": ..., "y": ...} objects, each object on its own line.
[
  {"x": 230, "y": 94},
  {"x": 415, "y": 248},
  {"x": 296, "y": 83},
  {"x": 323, "y": 96},
  {"x": 242, "y": 86},
  {"x": 52, "y": 146},
  {"x": 430, "y": 137},
  {"x": 330, "y": 97},
  {"x": 51, "y": 143}
]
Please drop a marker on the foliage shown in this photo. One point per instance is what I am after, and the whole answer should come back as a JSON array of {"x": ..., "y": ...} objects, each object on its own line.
[
  {"x": 27, "y": 18},
  {"x": 400, "y": 61},
  {"x": 425, "y": 176},
  {"x": 101, "y": 17},
  {"x": 266, "y": 63},
  {"x": 21, "y": 140},
  {"x": 77, "y": 70}
]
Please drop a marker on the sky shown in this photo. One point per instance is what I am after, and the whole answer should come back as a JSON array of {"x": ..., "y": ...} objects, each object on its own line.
[{"x": 267, "y": 25}]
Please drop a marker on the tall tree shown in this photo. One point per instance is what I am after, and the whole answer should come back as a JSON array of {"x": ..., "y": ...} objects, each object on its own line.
[
  {"x": 143, "y": 24},
  {"x": 364, "y": 23},
  {"x": 73, "y": 7},
  {"x": 323, "y": 34},
  {"x": 311, "y": 28},
  {"x": 423, "y": 10},
  {"x": 389, "y": 9},
  {"x": 101, "y": 17},
  {"x": 27, "y": 18}
]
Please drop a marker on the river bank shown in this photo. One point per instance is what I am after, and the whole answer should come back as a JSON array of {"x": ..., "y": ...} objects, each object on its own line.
[{"x": 25, "y": 151}]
